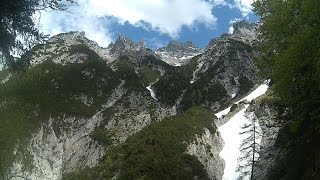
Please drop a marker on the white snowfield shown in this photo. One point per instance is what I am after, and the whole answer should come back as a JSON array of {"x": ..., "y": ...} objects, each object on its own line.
[{"x": 230, "y": 133}]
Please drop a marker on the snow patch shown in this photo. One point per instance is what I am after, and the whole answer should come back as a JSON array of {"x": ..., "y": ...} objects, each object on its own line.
[
  {"x": 223, "y": 112},
  {"x": 257, "y": 92},
  {"x": 230, "y": 133}
]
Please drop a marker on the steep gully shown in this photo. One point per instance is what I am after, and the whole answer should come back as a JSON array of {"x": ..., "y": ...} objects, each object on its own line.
[{"x": 230, "y": 133}]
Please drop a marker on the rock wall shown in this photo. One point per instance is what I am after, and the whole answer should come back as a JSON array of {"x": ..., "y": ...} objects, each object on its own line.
[
  {"x": 207, "y": 148},
  {"x": 53, "y": 153}
]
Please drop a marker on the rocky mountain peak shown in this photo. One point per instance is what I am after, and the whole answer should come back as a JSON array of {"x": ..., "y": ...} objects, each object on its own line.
[
  {"x": 243, "y": 31},
  {"x": 73, "y": 37},
  {"x": 243, "y": 27},
  {"x": 176, "y": 53},
  {"x": 66, "y": 48},
  {"x": 123, "y": 43},
  {"x": 176, "y": 46}
]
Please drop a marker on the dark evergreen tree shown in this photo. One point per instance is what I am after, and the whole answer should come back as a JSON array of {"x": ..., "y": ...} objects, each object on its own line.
[
  {"x": 290, "y": 43},
  {"x": 249, "y": 148},
  {"x": 18, "y": 30}
]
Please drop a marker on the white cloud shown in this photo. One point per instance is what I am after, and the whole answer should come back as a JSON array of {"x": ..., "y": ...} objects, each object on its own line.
[
  {"x": 218, "y": 2},
  {"x": 164, "y": 16},
  {"x": 55, "y": 22},
  {"x": 244, "y": 6}
]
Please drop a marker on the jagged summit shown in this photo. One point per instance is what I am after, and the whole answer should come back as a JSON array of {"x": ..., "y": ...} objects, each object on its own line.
[
  {"x": 123, "y": 43},
  {"x": 243, "y": 31},
  {"x": 243, "y": 26},
  {"x": 176, "y": 53},
  {"x": 64, "y": 48},
  {"x": 69, "y": 36},
  {"x": 176, "y": 46}
]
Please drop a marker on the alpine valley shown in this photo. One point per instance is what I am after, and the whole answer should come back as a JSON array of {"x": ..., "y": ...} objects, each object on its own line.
[{"x": 76, "y": 110}]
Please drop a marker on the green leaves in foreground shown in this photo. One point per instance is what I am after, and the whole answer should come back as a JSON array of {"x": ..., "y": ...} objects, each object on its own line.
[{"x": 157, "y": 151}]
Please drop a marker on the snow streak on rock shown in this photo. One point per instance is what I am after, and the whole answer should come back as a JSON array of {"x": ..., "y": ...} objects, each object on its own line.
[{"x": 153, "y": 95}]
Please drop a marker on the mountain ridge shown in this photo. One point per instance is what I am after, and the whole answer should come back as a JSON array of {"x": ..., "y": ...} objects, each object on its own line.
[{"x": 85, "y": 99}]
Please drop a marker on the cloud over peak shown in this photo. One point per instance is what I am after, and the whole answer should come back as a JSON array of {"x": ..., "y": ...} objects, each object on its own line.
[{"x": 164, "y": 16}]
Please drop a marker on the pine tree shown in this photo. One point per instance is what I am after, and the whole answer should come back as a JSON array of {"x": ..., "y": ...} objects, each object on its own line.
[
  {"x": 18, "y": 29},
  {"x": 290, "y": 43},
  {"x": 249, "y": 148}
]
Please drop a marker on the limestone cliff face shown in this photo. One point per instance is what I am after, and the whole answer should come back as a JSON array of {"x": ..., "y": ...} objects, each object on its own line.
[
  {"x": 99, "y": 107},
  {"x": 52, "y": 153},
  {"x": 207, "y": 148}
]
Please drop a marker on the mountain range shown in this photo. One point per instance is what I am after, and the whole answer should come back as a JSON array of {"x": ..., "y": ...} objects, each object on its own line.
[{"x": 80, "y": 111}]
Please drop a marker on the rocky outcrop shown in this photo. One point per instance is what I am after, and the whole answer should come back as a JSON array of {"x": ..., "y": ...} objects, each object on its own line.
[
  {"x": 124, "y": 45},
  {"x": 135, "y": 51},
  {"x": 207, "y": 148},
  {"x": 223, "y": 73}
]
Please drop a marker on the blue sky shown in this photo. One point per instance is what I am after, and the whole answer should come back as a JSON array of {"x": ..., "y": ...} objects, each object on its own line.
[{"x": 154, "y": 21}]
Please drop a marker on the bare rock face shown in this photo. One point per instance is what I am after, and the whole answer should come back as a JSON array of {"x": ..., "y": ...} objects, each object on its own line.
[
  {"x": 135, "y": 51},
  {"x": 207, "y": 148},
  {"x": 53, "y": 153},
  {"x": 124, "y": 44}
]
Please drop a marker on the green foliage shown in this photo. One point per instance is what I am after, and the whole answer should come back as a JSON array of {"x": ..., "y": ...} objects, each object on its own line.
[
  {"x": 17, "y": 19},
  {"x": 174, "y": 82},
  {"x": 125, "y": 71},
  {"x": 290, "y": 57},
  {"x": 290, "y": 32},
  {"x": 202, "y": 93},
  {"x": 150, "y": 67},
  {"x": 245, "y": 85},
  {"x": 157, "y": 151},
  {"x": 148, "y": 76},
  {"x": 99, "y": 134},
  {"x": 171, "y": 86},
  {"x": 4, "y": 74}
]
